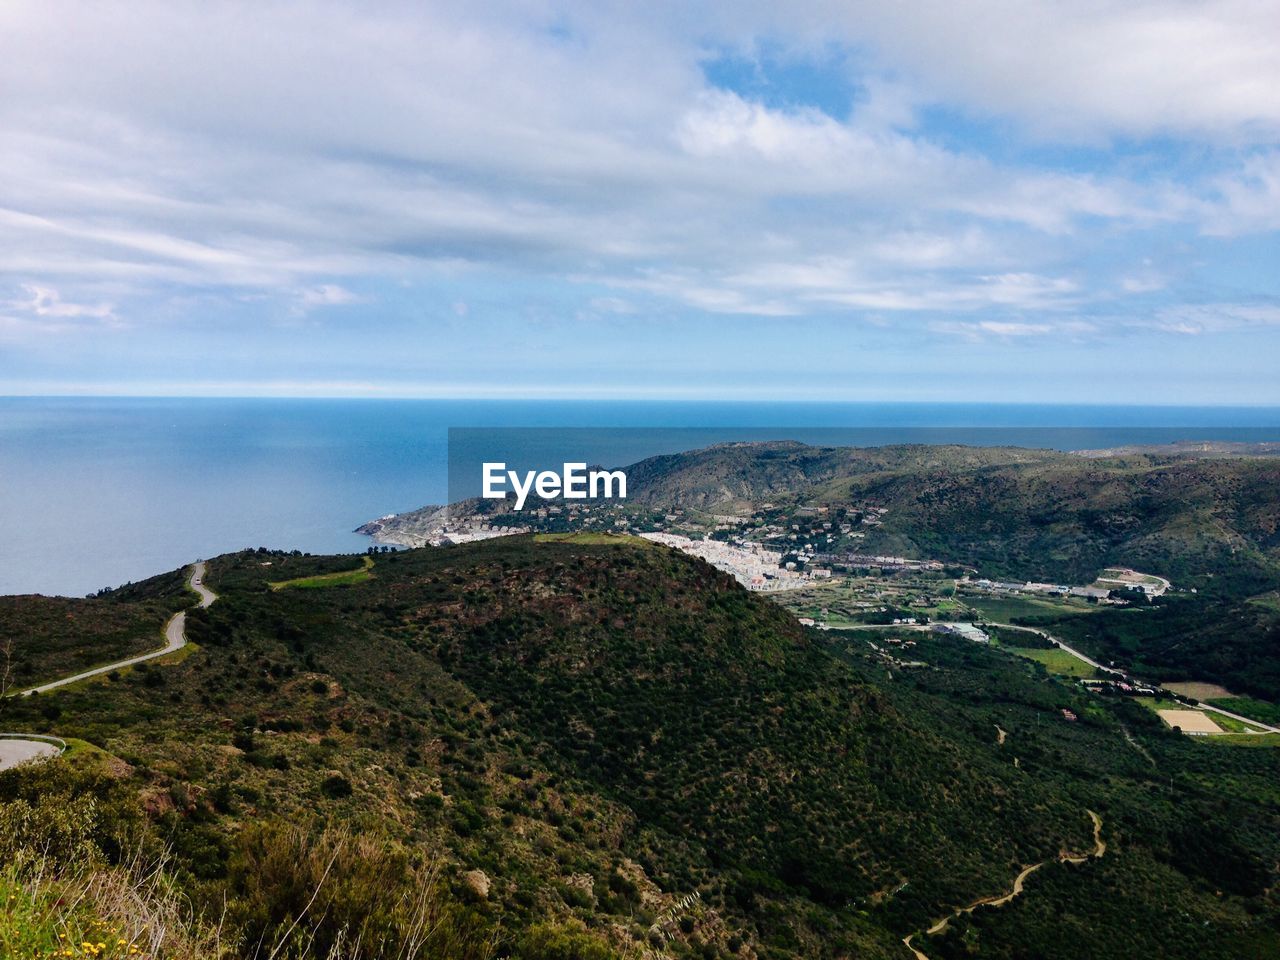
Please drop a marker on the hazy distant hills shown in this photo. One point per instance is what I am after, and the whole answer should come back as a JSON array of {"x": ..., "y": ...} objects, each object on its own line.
[
  {"x": 1023, "y": 514},
  {"x": 1202, "y": 515},
  {"x": 738, "y": 475}
]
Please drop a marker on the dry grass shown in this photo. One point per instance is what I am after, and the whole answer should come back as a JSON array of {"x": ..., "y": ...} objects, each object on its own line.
[
  {"x": 105, "y": 913},
  {"x": 1199, "y": 691}
]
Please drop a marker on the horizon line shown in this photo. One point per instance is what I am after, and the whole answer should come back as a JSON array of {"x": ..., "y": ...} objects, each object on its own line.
[{"x": 643, "y": 398}]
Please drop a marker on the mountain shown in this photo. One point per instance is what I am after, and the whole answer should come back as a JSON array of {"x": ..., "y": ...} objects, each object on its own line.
[
  {"x": 733, "y": 475},
  {"x": 1202, "y": 515},
  {"x": 1013, "y": 513},
  {"x": 593, "y": 746}
]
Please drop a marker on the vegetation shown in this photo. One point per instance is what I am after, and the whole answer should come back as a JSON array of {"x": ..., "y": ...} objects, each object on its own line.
[
  {"x": 1208, "y": 523},
  {"x": 1249, "y": 707},
  {"x": 47, "y": 637},
  {"x": 1056, "y": 661},
  {"x": 577, "y": 749},
  {"x": 340, "y": 578}
]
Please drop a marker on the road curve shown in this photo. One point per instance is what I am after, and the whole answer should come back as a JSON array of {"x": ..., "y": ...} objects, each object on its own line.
[
  {"x": 174, "y": 634},
  {"x": 999, "y": 900},
  {"x": 16, "y": 749}
]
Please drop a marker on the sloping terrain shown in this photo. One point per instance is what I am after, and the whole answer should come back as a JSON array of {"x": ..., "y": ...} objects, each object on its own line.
[
  {"x": 52, "y": 636},
  {"x": 602, "y": 747},
  {"x": 1210, "y": 524}
]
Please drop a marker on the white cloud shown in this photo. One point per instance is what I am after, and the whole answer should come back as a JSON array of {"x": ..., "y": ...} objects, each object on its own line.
[
  {"x": 325, "y": 295},
  {"x": 1197, "y": 319},
  {"x": 1077, "y": 68},
  {"x": 181, "y": 146},
  {"x": 41, "y": 311},
  {"x": 48, "y": 302},
  {"x": 1249, "y": 199}
]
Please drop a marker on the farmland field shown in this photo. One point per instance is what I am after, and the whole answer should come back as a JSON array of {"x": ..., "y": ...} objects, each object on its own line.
[
  {"x": 1259, "y": 710},
  {"x": 1199, "y": 691},
  {"x": 1055, "y": 661},
  {"x": 1190, "y": 721},
  {"x": 1009, "y": 609}
]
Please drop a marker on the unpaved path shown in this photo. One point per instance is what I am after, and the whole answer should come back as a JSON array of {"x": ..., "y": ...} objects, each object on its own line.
[
  {"x": 999, "y": 900},
  {"x": 174, "y": 634}
]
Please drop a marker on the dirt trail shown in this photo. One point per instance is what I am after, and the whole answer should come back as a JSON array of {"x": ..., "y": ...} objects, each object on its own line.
[
  {"x": 1001, "y": 735},
  {"x": 1137, "y": 746},
  {"x": 999, "y": 900}
]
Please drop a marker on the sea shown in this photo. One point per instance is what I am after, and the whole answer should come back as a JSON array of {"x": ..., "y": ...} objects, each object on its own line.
[{"x": 96, "y": 492}]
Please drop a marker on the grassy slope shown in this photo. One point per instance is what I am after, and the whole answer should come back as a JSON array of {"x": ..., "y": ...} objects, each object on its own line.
[
  {"x": 55, "y": 636},
  {"x": 340, "y": 578},
  {"x": 1209, "y": 524},
  {"x": 603, "y": 729}
]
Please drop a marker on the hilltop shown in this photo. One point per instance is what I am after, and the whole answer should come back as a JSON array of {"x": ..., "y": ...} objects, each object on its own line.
[
  {"x": 597, "y": 741},
  {"x": 1205, "y": 516}
]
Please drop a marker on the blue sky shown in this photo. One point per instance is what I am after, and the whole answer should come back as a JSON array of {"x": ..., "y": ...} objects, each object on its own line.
[{"x": 996, "y": 201}]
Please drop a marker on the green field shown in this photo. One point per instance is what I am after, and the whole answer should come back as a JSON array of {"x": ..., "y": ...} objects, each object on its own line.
[
  {"x": 340, "y": 579},
  {"x": 1155, "y": 705},
  {"x": 1268, "y": 601},
  {"x": 1244, "y": 739},
  {"x": 1056, "y": 661},
  {"x": 1249, "y": 707},
  {"x": 1230, "y": 724},
  {"x": 1009, "y": 609},
  {"x": 588, "y": 538}
]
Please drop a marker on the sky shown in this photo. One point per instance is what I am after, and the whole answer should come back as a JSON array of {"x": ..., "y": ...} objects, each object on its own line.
[{"x": 996, "y": 200}]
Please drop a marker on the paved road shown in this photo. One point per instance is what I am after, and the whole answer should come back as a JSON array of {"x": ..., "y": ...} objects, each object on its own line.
[
  {"x": 1268, "y": 728},
  {"x": 196, "y": 583},
  {"x": 174, "y": 634},
  {"x": 1235, "y": 716},
  {"x": 14, "y": 752}
]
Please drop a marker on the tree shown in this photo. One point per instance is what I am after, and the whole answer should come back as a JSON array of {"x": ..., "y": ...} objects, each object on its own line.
[{"x": 6, "y": 671}]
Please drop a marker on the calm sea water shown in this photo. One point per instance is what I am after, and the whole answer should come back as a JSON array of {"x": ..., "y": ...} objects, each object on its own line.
[{"x": 97, "y": 492}]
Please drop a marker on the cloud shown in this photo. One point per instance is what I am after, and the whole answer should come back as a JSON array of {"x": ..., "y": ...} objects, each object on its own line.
[
  {"x": 1248, "y": 198},
  {"x": 48, "y": 302},
  {"x": 41, "y": 311},
  {"x": 1199, "y": 319},
  {"x": 177, "y": 149},
  {"x": 1077, "y": 69},
  {"x": 988, "y": 329},
  {"x": 325, "y": 295}
]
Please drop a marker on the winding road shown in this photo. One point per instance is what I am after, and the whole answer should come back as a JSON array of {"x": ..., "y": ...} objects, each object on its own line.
[
  {"x": 999, "y": 900},
  {"x": 174, "y": 634}
]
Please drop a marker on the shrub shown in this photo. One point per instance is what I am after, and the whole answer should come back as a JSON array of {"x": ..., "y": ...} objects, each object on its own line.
[
  {"x": 336, "y": 787},
  {"x": 551, "y": 941}
]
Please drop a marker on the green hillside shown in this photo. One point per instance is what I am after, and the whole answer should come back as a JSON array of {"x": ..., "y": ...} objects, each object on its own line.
[
  {"x": 55, "y": 636},
  {"x": 1210, "y": 524},
  {"x": 596, "y": 747},
  {"x": 1015, "y": 513}
]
